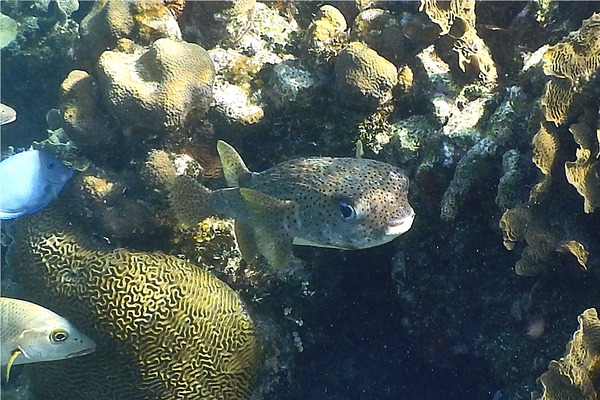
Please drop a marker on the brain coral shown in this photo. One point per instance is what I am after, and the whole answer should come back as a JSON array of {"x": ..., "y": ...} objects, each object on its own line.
[
  {"x": 165, "y": 328},
  {"x": 576, "y": 376},
  {"x": 362, "y": 76},
  {"x": 156, "y": 88}
]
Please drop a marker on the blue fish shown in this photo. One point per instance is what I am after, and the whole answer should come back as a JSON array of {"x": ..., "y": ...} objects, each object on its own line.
[{"x": 29, "y": 181}]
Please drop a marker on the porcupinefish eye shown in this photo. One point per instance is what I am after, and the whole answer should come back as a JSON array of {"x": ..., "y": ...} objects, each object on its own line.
[
  {"x": 58, "y": 335},
  {"x": 51, "y": 165},
  {"x": 347, "y": 211}
]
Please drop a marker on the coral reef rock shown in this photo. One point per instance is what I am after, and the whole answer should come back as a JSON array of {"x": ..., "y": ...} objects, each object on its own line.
[
  {"x": 576, "y": 375},
  {"x": 165, "y": 328},
  {"x": 456, "y": 20},
  {"x": 84, "y": 121},
  {"x": 156, "y": 88},
  {"x": 363, "y": 77},
  {"x": 326, "y": 34},
  {"x": 141, "y": 21}
]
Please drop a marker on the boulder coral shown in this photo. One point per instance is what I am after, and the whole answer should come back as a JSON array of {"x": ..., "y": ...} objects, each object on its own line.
[
  {"x": 84, "y": 121},
  {"x": 576, "y": 375},
  {"x": 141, "y": 21},
  {"x": 326, "y": 34},
  {"x": 165, "y": 328},
  {"x": 156, "y": 88},
  {"x": 363, "y": 77}
]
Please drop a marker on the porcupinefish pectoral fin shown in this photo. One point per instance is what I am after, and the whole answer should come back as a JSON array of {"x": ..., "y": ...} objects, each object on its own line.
[
  {"x": 244, "y": 236},
  {"x": 234, "y": 168},
  {"x": 190, "y": 200},
  {"x": 267, "y": 215}
]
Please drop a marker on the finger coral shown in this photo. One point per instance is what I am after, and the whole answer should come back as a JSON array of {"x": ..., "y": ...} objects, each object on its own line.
[
  {"x": 575, "y": 376},
  {"x": 156, "y": 88},
  {"x": 165, "y": 328}
]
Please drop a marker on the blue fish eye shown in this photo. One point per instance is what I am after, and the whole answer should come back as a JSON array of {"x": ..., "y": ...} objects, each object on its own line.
[
  {"x": 347, "y": 211},
  {"x": 51, "y": 165}
]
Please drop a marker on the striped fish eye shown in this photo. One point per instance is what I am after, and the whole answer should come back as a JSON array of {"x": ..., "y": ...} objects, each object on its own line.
[
  {"x": 59, "y": 335},
  {"x": 347, "y": 211}
]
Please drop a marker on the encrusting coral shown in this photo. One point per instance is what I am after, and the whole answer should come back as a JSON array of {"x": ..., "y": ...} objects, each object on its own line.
[
  {"x": 576, "y": 376},
  {"x": 164, "y": 328},
  {"x": 156, "y": 88}
]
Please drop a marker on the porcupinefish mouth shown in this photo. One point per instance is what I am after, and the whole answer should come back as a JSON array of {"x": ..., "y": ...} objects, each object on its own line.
[{"x": 399, "y": 226}]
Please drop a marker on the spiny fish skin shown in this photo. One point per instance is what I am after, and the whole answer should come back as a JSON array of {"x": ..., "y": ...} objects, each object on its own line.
[
  {"x": 344, "y": 203},
  {"x": 38, "y": 334},
  {"x": 29, "y": 181}
]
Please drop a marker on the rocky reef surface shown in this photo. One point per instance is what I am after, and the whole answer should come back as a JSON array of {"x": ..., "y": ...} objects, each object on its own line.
[{"x": 492, "y": 108}]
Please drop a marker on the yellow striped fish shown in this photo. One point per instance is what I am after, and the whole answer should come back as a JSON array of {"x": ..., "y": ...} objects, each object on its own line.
[{"x": 31, "y": 333}]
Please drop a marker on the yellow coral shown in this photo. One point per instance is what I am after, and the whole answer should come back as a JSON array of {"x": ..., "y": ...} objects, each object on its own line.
[
  {"x": 362, "y": 75},
  {"x": 545, "y": 149},
  {"x": 325, "y": 35},
  {"x": 557, "y": 100},
  {"x": 577, "y": 249},
  {"x": 142, "y": 21},
  {"x": 158, "y": 170},
  {"x": 584, "y": 174},
  {"x": 157, "y": 88},
  {"x": 164, "y": 328},
  {"x": 456, "y": 18},
  {"x": 570, "y": 64},
  {"x": 575, "y": 376},
  {"x": 84, "y": 121}
]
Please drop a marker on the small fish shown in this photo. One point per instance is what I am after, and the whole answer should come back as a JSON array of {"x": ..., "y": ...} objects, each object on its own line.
[
  {"x": 343, "y": 203},
  {"x": 7, "y": 114},
  {"x": 31, "y": 333},
  {"x": 29, "y": 181}
]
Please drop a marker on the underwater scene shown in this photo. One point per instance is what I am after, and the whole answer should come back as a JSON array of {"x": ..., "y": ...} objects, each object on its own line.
[{"x": 300, "y": 200}]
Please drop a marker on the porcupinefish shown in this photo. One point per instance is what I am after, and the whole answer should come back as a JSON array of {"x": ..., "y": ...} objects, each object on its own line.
[
  {"x": 343, "y": 203},
  {"x": 31, "y": 333},
  {"x": 29, "y": 181}
]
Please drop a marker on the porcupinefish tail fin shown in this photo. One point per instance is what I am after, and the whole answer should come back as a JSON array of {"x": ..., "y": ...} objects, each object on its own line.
[
  {"x": 267, "y": 215},
  {"x": 190, "y": 201},
  {"x": 234, "y": 168}
]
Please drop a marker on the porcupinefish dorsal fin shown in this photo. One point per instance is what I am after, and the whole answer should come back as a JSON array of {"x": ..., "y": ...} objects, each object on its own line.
[
  {"x": 234, "y": 168},
  {"x": 266, "y": 215}
]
